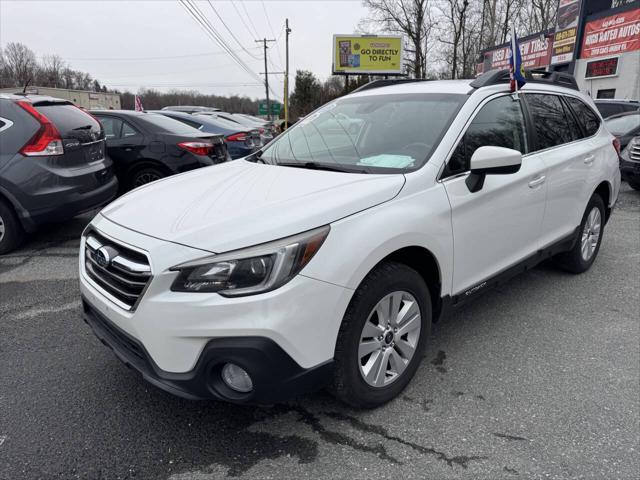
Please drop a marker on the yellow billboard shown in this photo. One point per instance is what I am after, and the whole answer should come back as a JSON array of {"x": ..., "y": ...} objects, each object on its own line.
[{"x": 367, "y": 54}]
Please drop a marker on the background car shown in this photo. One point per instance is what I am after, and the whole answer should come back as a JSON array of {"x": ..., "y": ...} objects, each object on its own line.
[
  {"x": 630, "y": 163},
  {"x": 191, "y": 108},
  {"x": 52, "y": 164},
  {"x": 607, "y": 108},
  {"x": 624, "y": 126},
  {"x": 266, "y": 132},
  {"x": 148, "y": 146},
  {"x": 241, "y": 141}
]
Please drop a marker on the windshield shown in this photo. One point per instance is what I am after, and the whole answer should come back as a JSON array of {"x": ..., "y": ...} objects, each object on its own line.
[
  {"x": 624, "y": 124},
  {"x": 166, "y": 124},
  {"x": 373, "y": 133}
]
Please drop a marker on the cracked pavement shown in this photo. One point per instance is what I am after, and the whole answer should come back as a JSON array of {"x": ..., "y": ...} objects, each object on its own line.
[{"x": 536, "y": 379}]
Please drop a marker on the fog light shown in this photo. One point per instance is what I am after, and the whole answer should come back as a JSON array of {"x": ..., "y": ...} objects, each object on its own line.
[{"x": 236, "y": 378}]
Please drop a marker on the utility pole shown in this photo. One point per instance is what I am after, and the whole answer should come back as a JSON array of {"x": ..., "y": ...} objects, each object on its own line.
[
  {"x": 287, "y": 31},
  {"x": 266, "y": 74}
]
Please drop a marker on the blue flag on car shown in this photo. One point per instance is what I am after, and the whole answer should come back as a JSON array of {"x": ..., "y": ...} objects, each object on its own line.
[{"x": 516, "y": 69}]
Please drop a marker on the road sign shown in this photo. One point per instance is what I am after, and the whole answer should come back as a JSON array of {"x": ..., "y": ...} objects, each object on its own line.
[{"x": 275, "y": 108}]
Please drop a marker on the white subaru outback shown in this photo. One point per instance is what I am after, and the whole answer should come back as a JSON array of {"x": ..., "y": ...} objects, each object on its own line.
[{"x": 323, "y": 259}]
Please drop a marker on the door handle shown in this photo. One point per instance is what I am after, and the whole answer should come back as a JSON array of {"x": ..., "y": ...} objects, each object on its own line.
[
  {"x": 588, "y": 160},
  {"x": 537, "y": 181}
]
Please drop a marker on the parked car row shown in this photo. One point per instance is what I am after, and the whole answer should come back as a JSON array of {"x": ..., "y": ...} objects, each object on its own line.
[{"x": 58, "y": 160}]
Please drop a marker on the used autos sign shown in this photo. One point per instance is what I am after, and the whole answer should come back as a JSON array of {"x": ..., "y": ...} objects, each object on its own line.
[{"x": 612, "y": 35}]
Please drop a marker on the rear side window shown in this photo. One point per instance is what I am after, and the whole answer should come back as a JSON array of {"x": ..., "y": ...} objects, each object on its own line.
[
  {"x": 128, "y": 130},
  {"x": 550, "y": 120},
  {"x": 500, "y": 123},
  {"x": 112, "y": 127},
  {"x": 589, "y": 120},
  {"x": 70, "y": 121}
]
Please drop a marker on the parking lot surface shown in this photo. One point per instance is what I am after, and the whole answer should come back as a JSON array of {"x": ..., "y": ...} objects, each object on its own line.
[{"x": 537, "y": 379}]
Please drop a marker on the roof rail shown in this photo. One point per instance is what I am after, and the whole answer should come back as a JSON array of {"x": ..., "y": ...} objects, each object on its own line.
[
  {"x": 387, "y": 82},
  {"x": 494, "y": 77}
]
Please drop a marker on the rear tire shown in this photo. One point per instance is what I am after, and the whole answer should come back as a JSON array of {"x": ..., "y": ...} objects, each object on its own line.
[
  {"x": 144, "y": 176},
  {"x": 580, "y": 258},
  {"x": 11, "y": 232},
  {"x": 368, "y": 380}
]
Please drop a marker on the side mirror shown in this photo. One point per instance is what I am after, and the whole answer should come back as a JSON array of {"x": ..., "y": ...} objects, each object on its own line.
[{"x": 492, "y": 161}]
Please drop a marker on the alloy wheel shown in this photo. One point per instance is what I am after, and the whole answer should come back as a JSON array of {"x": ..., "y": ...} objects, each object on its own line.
[
  {"x": 591, "y": 233},
  {"x": 389, "y": 338},
  {"x": 146, "y": 177}
]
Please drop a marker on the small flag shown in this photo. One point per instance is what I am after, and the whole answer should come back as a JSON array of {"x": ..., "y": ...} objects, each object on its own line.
[
  {"x": 138, "y": 104},
  {"x": 516, "y": 69}
]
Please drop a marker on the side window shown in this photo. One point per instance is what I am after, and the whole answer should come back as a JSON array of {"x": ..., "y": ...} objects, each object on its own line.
[
  {"x": 500, "y": 123},
  {"x": 589, "y": 120},
  {"x": 550, "y": 120},
  {"x": 112, "y": 127},
  {"x": 128, "y": 130}
]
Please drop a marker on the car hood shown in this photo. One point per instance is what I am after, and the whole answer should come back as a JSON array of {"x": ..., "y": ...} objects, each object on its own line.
[{"x": 239, "y": 204}]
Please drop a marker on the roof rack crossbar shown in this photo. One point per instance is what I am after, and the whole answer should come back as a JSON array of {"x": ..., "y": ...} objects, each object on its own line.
[
  {"x": 495, "y": 77},
  {"x": 386, "y": 82}
]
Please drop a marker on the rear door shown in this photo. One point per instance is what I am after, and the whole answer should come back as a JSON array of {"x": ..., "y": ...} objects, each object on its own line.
[
  {"x": 569, "y": 155},
  {"x": 82, "y": 135},
  {"x": 496, "y": 227},
  {"x": 124, "y": 141}
]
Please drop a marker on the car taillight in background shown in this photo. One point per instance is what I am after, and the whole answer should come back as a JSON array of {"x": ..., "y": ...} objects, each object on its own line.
[
  {"x": 47, "y": 140},
  {"x": 199, "y": 148},
  {"x": 237, "y": 137},
  {"x": 616, "y": 145}
]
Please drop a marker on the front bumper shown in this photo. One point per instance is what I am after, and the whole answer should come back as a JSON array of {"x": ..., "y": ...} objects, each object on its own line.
[
  {"x": 630, "y": 170},
  {"x": 275, "y": 375}
]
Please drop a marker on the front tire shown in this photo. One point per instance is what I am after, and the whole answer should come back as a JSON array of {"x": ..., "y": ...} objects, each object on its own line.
[
  {"x": 580, "y": 258},
  {"x": 382, "y": 336},
  {"x": 144, "y": 176}
]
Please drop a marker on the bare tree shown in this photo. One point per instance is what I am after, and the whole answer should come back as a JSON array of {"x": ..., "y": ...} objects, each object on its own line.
[
  {"x": 51, "y": 69},
  {"x": 411, "y": 18},
  {"x": 21, "y": 63}
]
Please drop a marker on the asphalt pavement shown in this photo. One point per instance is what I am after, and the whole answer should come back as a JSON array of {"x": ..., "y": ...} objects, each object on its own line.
[{"x": 536, "y": 379}]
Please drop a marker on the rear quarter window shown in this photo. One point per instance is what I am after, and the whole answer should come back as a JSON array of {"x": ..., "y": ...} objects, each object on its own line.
[{"x": 587, "y": 117}]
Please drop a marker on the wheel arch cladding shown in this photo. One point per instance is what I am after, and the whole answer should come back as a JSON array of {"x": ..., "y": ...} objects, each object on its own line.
[
  {"x": 604, "y": 190},
  {"x": 425, "y": 263}
]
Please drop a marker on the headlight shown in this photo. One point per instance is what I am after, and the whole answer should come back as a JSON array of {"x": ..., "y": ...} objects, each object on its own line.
[{"x": 251, "y": 270}]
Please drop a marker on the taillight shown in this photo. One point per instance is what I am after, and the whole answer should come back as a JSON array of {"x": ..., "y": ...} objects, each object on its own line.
[
  {"x": 237, "y": 137},
  {"x": 199, "y": 148},
  {"x": 616, "y": 145},
  {"x": 261, "y": 130},
  {"x": 47, "y": 140}
]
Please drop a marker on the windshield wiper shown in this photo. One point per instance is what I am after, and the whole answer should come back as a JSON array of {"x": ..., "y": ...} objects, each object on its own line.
[{"x": 322, "y": 166}]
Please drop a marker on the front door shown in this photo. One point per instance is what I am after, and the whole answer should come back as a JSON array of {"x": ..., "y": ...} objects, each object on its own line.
[{"x": 499, "y": 225}]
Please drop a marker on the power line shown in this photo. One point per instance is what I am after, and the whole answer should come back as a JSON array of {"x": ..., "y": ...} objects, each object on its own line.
[
  {"x": 266, "y": 14},
  {"x": 197, "y": 15},
  {"x": 165, "y": 57},
  {"x": 251, "y": 34},
  {"x": 193, "y": 10},
  {"x": 250, "y": 21},
  {"x": 231, "y": 33}
]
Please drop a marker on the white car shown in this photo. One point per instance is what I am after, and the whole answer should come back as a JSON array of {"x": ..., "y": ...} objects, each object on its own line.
[{"x": 323, "y": 259}]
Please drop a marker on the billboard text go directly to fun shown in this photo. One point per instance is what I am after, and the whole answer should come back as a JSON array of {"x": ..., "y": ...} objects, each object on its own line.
[{"x": 361, "y": 55}]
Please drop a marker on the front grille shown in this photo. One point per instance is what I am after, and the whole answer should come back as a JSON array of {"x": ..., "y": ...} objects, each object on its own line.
[
  {"x": 119, "y": 271},
  {"x": 634, "y": 151}
]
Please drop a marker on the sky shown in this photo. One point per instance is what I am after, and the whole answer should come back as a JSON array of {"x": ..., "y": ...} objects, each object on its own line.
[{"x": 134, "y": 44}]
